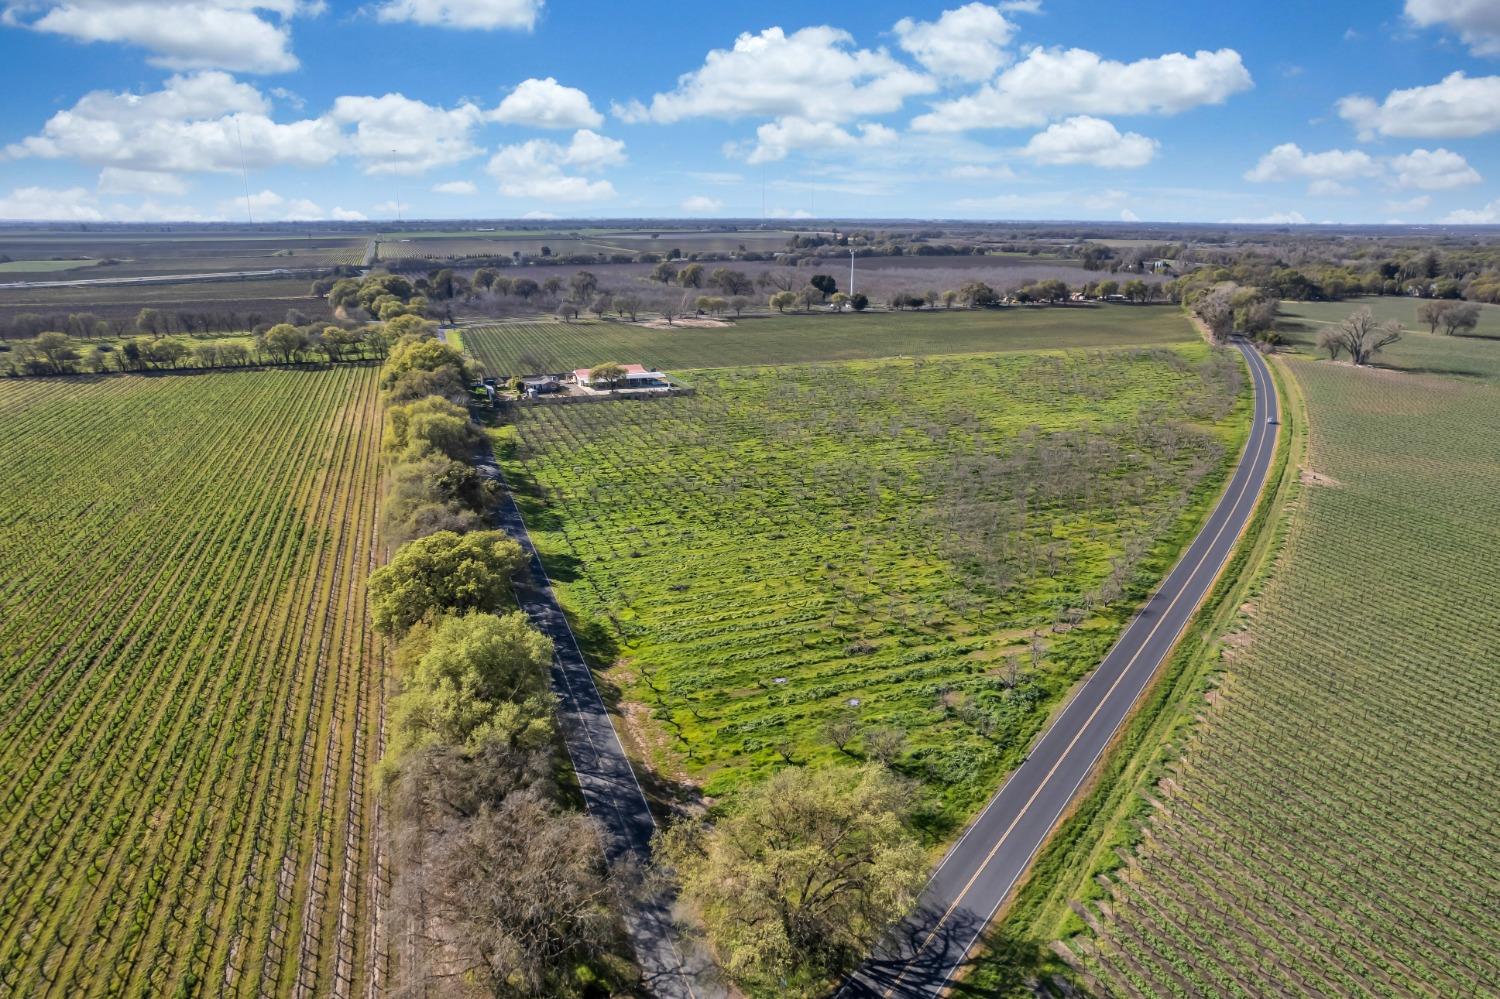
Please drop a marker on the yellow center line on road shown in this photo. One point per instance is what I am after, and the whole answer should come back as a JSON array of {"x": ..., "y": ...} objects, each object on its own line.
[{"x": 1125, "y": 671}]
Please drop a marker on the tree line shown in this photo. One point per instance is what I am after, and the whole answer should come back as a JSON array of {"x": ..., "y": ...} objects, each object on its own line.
[{"x": 498, "y": 887}]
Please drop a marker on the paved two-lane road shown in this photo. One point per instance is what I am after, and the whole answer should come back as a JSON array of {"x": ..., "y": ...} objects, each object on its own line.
[
  {"x": 926, "y": 951},
  {"x": 611, "y": 792}
]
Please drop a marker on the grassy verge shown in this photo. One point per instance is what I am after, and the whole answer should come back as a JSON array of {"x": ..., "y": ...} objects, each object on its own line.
[{"x": 1107, "y": 822}]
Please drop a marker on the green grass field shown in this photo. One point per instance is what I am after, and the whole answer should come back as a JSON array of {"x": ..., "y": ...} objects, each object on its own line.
[
  {"x": 1329, "y": 829},
  {"x": 1384, "y": 307},
  {"x": 525, "y": 348},
  {"x": 939, "y": 546},
  {"x": 1418, "y": 352},
  {"x": 189, "y": 691}
]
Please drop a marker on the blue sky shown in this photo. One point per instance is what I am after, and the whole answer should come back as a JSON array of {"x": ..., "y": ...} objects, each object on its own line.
[{"x": 1031, "y": 109}]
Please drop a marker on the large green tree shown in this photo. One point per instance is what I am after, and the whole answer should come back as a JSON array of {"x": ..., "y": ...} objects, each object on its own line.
[
  {"x": 796, "y": 883},
  {"x": 441, "y": 573},
  {"x": 478, "y": 677}
]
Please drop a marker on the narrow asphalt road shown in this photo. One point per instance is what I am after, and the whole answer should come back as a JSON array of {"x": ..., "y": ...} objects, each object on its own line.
[
  {"x": 925, "y": 952},
  {"x": 610, "y": 790},
  {"x": 154, "y": 279}
]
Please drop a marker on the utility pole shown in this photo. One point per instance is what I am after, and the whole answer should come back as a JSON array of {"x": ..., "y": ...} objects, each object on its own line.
[{"x": 851, "y": 272}]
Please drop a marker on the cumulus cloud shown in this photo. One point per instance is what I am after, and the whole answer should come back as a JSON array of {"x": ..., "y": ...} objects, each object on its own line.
[
  {"x": 268, "y": 206},
  {"x": 73, "y": 204},
  {"x": 699, "y": 204},
  {"x": 1052, "y": 82},
  {"x": 236, "y": 35},
  {"x": 1328, "y": 172},
  {"x": 1126, "y": 215},
  {"x": 1091, "y": 141},
  {"x": 395, "y": 134},
  {"x": 538, "y": 168},
  {"x": 481, "y": 15},
  {"x": 1487, "y": 215},
  {"x": 775, "y": 139},
  {"x": 790, "y": 213},
  {"x": 195, "y": 123},
  {"x": 114, "y": 180},
  {"x": 1459, "y": 106},
  {"x": 547, "y": 104},
  {"x": 346, "y": 215},
  {"x": 1476, "y": 21},
  {"x": 816, "y": 74},
  {"x": 968, "y": 43},
  {"x": 1433, "y": 170},
  {"x": 1325, "y": 172},
  {"x": 463, "y": 187}
]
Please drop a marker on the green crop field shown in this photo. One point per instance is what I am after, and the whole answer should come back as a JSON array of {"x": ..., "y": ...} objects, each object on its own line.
[
  {"x": 940, "y": 546},
  {"x": 189, "y": 694},
  {"x": 1330, "y": 827},
  {"x": 525, "y": 348}
]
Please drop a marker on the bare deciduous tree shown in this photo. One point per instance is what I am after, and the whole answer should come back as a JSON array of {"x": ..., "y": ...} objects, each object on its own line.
[{"x": 1360, "y": 337}]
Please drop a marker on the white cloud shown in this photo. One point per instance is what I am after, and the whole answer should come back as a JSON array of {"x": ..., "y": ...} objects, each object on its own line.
[
  {"x": 200, "y": 122},
  {"x": 1126, "y": 215},
  {"x": 700, "y": 204},
  {"x": 346, "y": 215},
  {"x": 1275, "y": 218},
  {"x": 463, "y": 187},
  {"x": 1477, "y": 21},
  {"x": 592, "y": 151},
  {"x": 535, "y": 169},
  {"x": 1486, "y": 215},
  {"x": 73, "y": 204},
  {"x": 1324, "y": 171},
  {"x": 180, "y": 34},
  {"x": 387, "y": 209},
  {"x": 1053, "y": 82},
  {"x": 1091, "y": 141},
  {"x": 978, "y": 171},
  {"x": 1434, "y": 170},
  {"x": 114, "y": 180},
  {"x": 539, "y": 216},
  {"x": 77, "y": 204},
  {"x": 775, "y": 139},
  {"x": 483, "y": 15},
  {"x": 967, "y": 43},
  {"x": 815, "y": 73},
  {"x": 268, "y": 206},
  {"x": 1457, "y": 107},
  {"x": 395, "y": 134},
  {"x": 790, "y": 213},
  {"x": 1331, "y": 189},
  {"x": 547, "y": 104}
]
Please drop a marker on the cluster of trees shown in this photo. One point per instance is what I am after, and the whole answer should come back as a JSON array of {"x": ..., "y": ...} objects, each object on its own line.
[
  {"x": 1227, "y": 308},
  {"x": 54, "y": 353},
  {"x": 499, "y": 888},
  {"x": 1453, "y": 318},
  {"x": 377, "y": 296}
]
